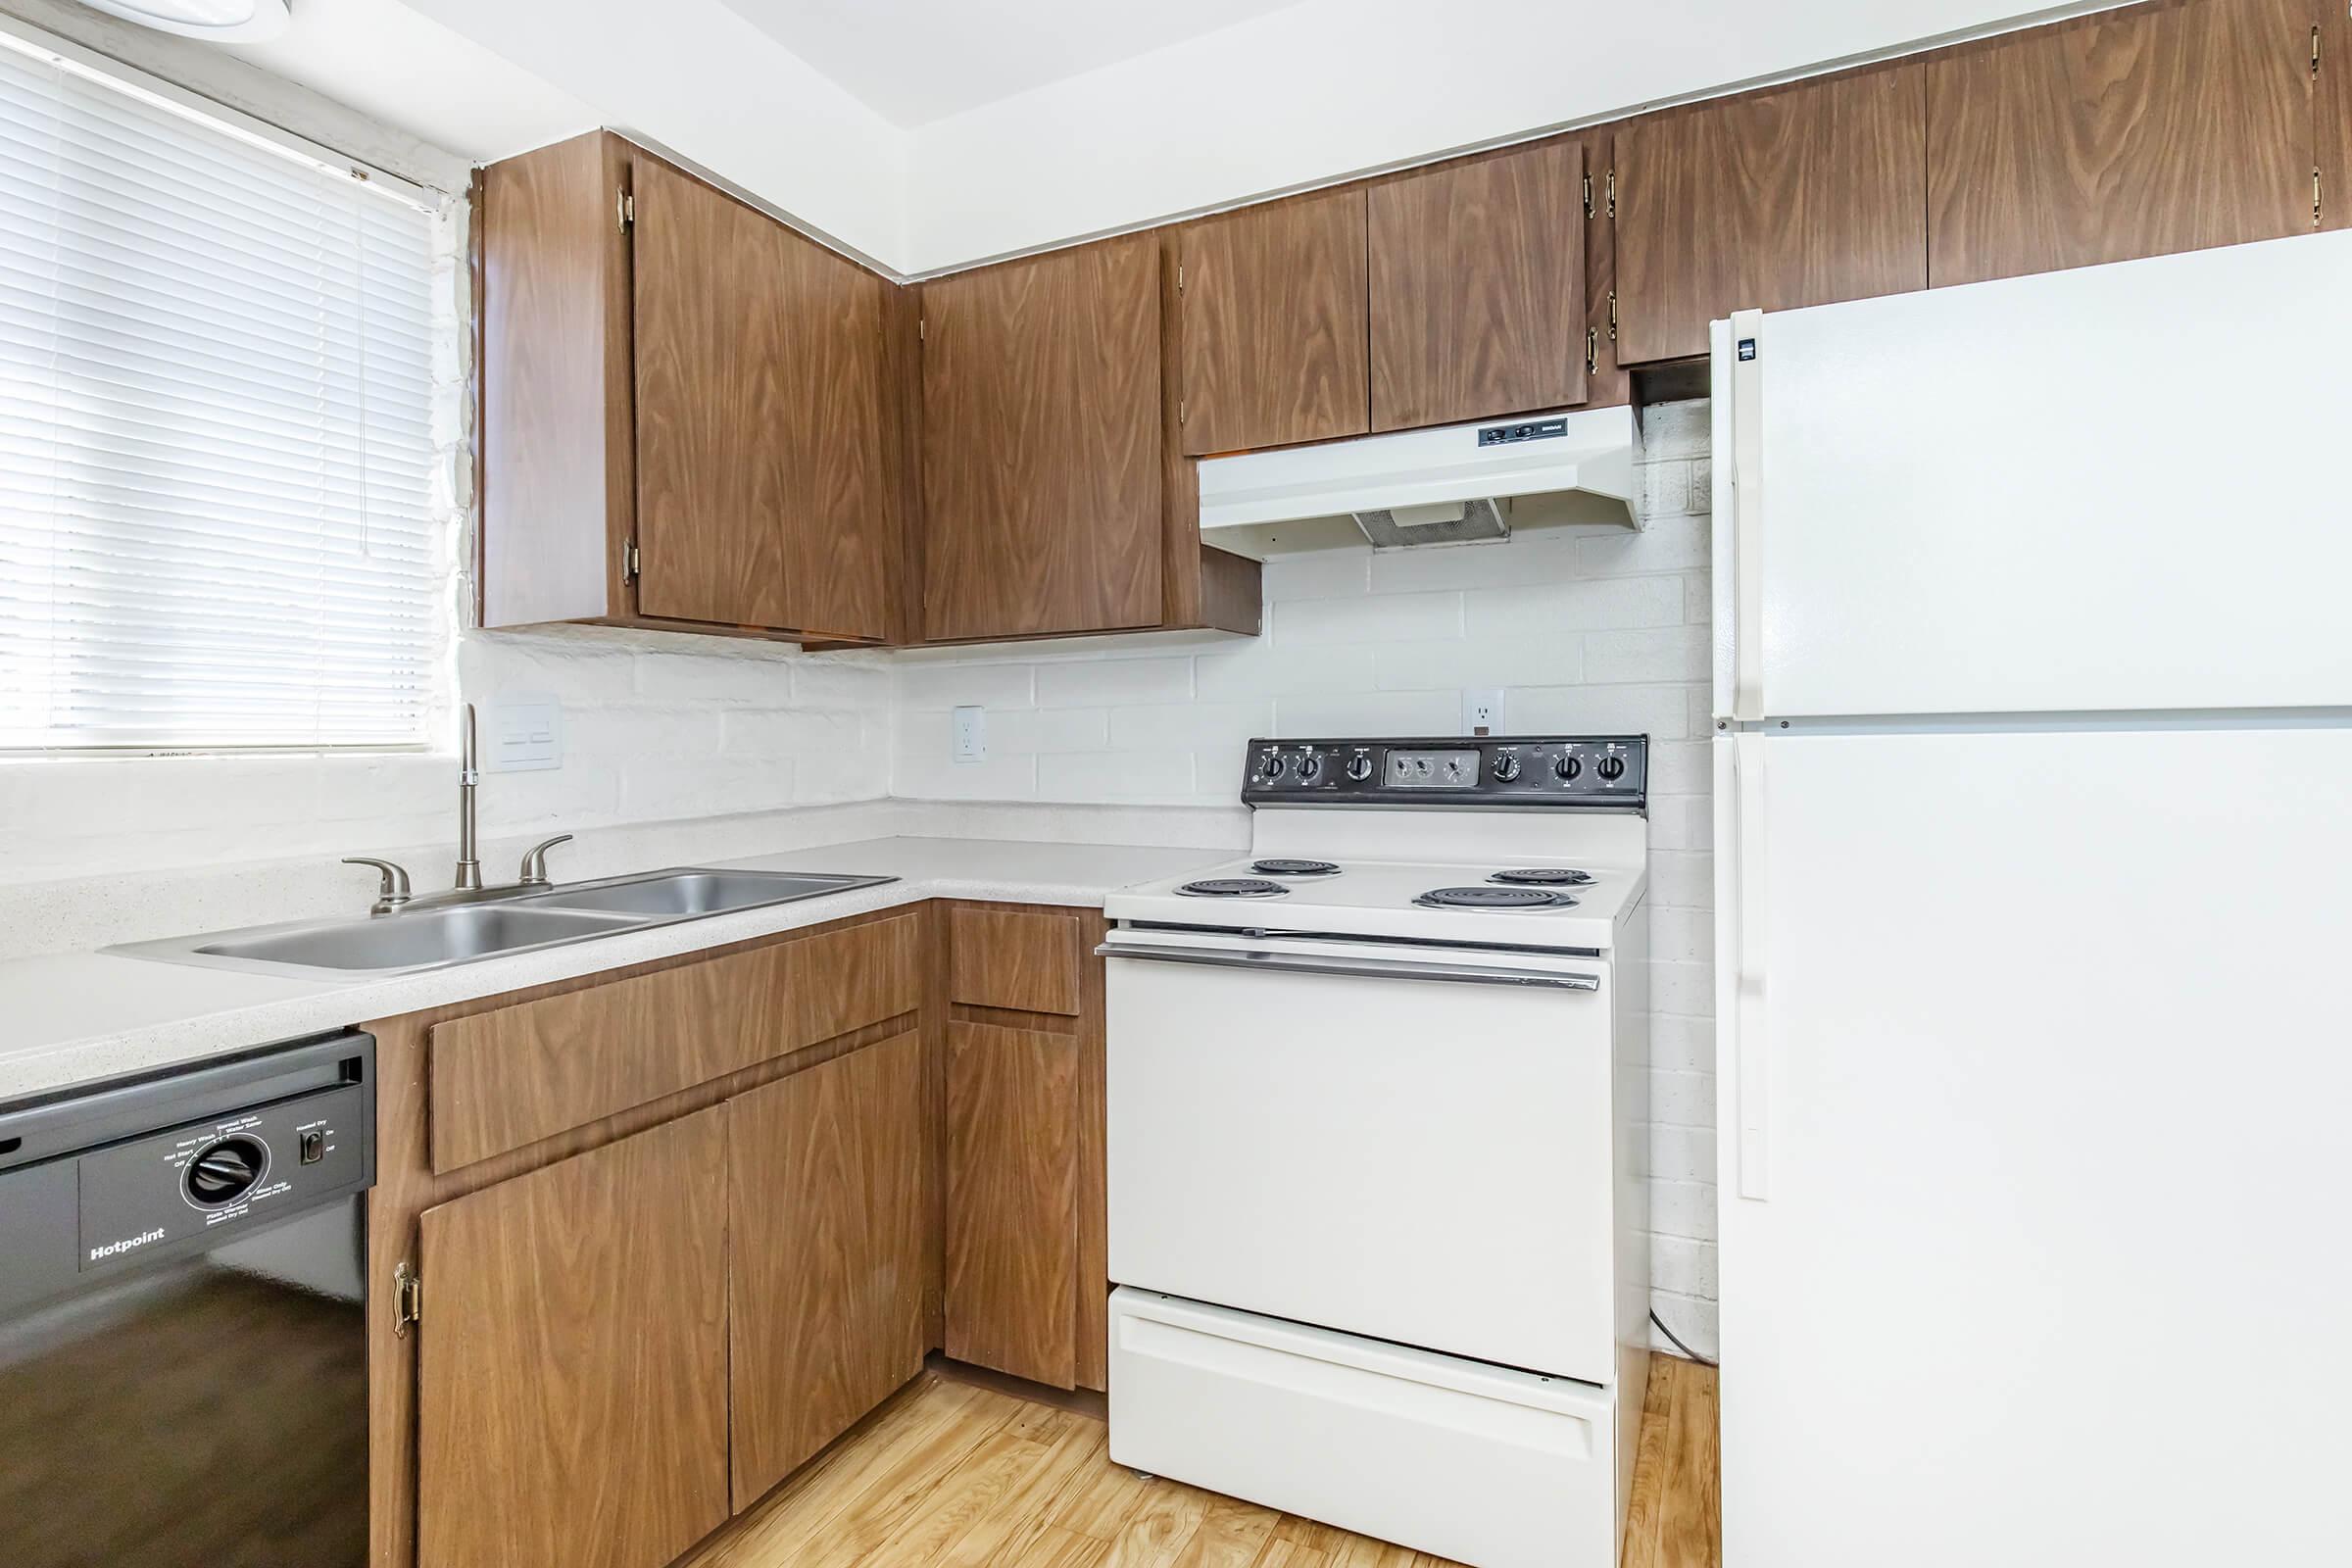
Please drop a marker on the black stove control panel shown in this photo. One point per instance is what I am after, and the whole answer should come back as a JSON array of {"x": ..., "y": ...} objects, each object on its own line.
[{"x": 1588, "y": 772}]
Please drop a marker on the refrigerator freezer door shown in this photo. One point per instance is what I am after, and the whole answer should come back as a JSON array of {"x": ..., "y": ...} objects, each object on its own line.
[
  {"x": 2113, "y": 488},
  {"x": 2050, "y": 1269}
]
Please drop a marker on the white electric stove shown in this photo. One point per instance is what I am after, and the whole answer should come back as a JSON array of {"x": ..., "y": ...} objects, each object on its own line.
[{"x": 1375, "y": 1093}]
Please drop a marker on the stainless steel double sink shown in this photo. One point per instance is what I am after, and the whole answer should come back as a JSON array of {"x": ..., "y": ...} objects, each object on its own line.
[{"x": 439, "y": 935}]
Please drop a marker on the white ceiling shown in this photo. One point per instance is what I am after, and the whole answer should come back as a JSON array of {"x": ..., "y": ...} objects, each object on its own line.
[
  {"x": 412, "y": 73},
  {"x": 916, "y": 61}
]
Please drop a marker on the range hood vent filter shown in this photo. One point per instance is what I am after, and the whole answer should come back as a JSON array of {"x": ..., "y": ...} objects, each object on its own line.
[{"x": 1456, "y": 522}]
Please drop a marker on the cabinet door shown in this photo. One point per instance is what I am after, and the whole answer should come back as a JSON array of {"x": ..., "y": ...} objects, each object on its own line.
[
  {"x": 1041, "y": 444},
  {"x": 1274, "y": 311},
  {"x": 1769, "y": 201},
  {"x": 2137, "y": 133},
  {"x": 828, "y": 1228},
  {"x": 1013, "y": 1203},
  {"x": 573, "y": 1374},
  {"x": 1478, "y": 288},
  {"x": 766, "y": 493}
]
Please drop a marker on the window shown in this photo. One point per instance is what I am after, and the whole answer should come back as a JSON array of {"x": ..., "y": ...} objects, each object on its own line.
[{"x": 218, "y": 516}]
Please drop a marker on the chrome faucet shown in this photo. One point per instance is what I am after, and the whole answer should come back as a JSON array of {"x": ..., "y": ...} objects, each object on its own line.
[
  {"x": 470, "y": 777},
  {"x": 393, "y": 895}
]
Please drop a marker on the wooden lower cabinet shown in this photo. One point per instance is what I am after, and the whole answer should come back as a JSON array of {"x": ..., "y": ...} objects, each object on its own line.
[
  {"x": 681, "y": 1227},
  {"x": 572, "y": 1396},
  {"x": 1012, "y": 1201},
  {"x": 826, "y": 1202}
]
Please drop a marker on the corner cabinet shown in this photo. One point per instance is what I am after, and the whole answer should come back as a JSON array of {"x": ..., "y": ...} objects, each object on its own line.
[
  {"x": 688, "y": 417},
  {"x": 1050, "y": 507},
  {"x": 643, "y": 1244}
]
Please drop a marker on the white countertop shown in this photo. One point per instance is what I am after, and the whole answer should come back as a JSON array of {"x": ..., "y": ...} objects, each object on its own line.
[{"x": 78, "y": 1017}]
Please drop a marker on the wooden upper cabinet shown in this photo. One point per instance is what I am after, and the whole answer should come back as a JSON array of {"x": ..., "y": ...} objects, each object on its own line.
[
  {"x": 1275, "y": 305},
  {"x": 765, "y": 494},
  {"x": 1041, "y": 445},
  {"x": 2130, "y": 133},
  {"x": 1799, "y": 195},
  {"x": 697, "y": 381},
  {"x": 572, "y": 1389},
  {"x": 1478, "y": 288}
]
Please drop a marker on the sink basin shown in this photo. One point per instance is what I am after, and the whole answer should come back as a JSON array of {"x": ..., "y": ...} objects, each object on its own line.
[
  {"x": 677, "y": 893},
  {"x": 504, "y": 922},
  {"x": 414, "y": 941}
]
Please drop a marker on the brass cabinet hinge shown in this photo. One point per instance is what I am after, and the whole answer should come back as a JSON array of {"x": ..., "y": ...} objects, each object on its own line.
[
  {"x": 1591, "y": 351},
  {"x": 923, "y": 330},
  {"x": 1179, "y": 277},
  {"x": 1612, "y": 316},
  {"x": 624, "y": 208},
  {"x": 2315, "y": 198},
  {"x": 1612, "y": 193},
  {"x": 408, "y": 1299},
  {"x": 1180, "y": 411},
  {"x": 631, "y": 563},
  {"x": 1588, "y": 193},
  {"x": 2315, "y": 49}
]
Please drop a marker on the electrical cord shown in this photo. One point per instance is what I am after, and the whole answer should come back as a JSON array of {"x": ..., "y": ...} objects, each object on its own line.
[{"x": 1677, "y": 1339}]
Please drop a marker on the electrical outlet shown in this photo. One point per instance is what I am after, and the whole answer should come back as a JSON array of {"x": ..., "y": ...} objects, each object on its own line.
[
  {"x": 1481, "y": 711},
  {"x": 967, "y": 731}
]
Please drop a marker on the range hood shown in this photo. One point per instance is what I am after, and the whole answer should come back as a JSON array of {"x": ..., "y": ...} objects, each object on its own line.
[{"x": 1458, "y": 484}]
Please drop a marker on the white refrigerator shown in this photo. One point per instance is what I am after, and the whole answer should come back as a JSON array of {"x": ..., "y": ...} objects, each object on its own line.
[{"x": 2033, "y": 862}]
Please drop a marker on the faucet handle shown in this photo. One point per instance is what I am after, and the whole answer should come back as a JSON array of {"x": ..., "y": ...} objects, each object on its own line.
[
  {"x": 534, "y": 861},
  {"x": 393, "y": 891}
]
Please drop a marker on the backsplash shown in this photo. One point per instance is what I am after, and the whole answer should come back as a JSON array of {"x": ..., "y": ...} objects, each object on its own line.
[{"x": 1584, "y": 631}]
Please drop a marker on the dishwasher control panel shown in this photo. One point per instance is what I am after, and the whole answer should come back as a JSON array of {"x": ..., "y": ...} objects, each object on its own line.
[{"x": 124, "y": 1175}]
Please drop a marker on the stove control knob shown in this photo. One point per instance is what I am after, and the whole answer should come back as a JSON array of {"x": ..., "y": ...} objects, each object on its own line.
[
  {"x": 1612, "y": 768},
  {"x": 1507, "y": 767},
  {"x": 1359, "y": 768},
  {"x": 1310, "y": 768},
  {"x": 1273, "y": 767},
  {"x": 1567, "y": 768}
]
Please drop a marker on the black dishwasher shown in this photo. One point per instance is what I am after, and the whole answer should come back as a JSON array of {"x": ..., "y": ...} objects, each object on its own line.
[{"x": 183, "y": 1357}]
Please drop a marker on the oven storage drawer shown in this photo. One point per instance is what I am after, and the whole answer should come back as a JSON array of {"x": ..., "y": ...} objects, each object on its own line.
[
  {"x": 1396, "y": 1154},
  {"x": 1476, "y": 1463}
]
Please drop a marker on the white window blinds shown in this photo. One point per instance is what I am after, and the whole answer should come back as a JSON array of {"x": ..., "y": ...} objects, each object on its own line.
[{"x": 217, "y": 470}]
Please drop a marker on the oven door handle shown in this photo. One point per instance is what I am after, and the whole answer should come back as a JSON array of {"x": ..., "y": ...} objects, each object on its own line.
[{"x": 1272, "y": 962}]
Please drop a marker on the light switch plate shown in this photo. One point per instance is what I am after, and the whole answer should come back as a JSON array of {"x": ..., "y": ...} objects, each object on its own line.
[
  {"x": 1481, "y": 711},
  {"x": 967, "y": 734},
  {"x": 522, "y": 733}
]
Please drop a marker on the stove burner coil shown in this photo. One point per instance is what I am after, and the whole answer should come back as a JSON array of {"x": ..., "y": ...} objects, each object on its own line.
[
  {"x": 1286, "y": 868},
  {"x": 1233, "y": 886},
  {"x": 1494, "y": 897},
  {"x": 1545, "y": 876}
]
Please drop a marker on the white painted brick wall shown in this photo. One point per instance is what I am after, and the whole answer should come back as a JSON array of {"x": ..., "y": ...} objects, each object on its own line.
[{"x": 1584, "y": 631}]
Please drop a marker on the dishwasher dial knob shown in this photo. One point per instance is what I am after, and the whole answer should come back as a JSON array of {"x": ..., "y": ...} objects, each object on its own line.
[
  {"x": 1567, "y": 768},
  {"x": 1507, "y": 767},
  {"x": 1359, "y": 768},
  {"x": 1273, "y": 767},
  {"x": 1612, "y": 768},
  {"x": 1310, "y": 768},
  {"x": 227, "y": 1171}
]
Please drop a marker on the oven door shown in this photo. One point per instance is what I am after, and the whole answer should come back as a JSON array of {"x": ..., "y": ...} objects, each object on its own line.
[{"x": 1408, "y": 1142}]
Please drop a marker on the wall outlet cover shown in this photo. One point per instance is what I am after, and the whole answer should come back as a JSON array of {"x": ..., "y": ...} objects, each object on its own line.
[
  {"x": 522, "y": 733},
  {"x": 1481, "y": 711},
  {"x": 967, "y": 735}
]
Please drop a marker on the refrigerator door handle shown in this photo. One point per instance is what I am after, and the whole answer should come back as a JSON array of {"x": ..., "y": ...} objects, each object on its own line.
[
  {"x": 1751, "y": 1050},
  {"x": 1748, "y": 514}
]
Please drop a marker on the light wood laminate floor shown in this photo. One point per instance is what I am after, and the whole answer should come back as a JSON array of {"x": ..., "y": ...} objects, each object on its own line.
[{"x": 950, "y": 1474}]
